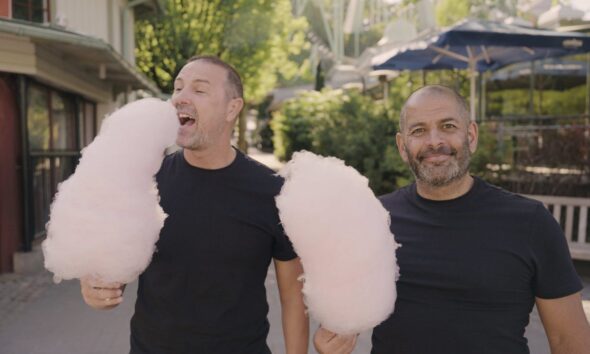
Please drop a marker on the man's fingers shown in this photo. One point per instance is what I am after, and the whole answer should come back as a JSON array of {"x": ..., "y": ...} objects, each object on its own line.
[
  {"x": 114, "y": 301},
  {"x": 327, "y": 342},
  {"x": 95, "y": 283},
  {"x": 325, "y": 335},
  {"x": 107, "y": 293},
  {"x": 101, "y": 297},
  {"x": 101, "y": 285},
  {"x": 102, "y": 294},
  {"x": 343, "y": 344}
]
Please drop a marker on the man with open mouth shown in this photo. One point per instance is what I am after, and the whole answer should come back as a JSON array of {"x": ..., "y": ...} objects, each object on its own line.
[{"x": 204, "y": 291}]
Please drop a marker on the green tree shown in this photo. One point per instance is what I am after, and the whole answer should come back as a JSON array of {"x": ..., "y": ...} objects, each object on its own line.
[
  {"x": 258, "y": 37},
  {"x": 450, "y": 11},
  {"x": 347, "y": 125}
]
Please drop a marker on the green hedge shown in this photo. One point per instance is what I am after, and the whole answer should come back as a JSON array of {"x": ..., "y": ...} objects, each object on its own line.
[{"x": 346, "y": 125}]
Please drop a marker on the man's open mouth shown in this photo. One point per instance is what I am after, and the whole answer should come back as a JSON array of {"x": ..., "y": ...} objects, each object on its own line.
[{"x": 185, "y": 119}]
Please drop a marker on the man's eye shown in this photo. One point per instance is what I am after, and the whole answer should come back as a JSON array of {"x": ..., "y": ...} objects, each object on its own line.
[
  {"x": 449, "y": 126},
  {"x": 417, "y": 131}
]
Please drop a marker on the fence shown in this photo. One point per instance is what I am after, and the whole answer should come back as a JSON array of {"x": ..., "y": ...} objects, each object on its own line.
[{"x": 572, "y": 215}]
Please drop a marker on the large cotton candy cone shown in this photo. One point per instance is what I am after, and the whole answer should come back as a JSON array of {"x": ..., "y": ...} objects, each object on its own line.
[
  {"x": 341, "y": 232},
  {"x": 105, "y": 219}
]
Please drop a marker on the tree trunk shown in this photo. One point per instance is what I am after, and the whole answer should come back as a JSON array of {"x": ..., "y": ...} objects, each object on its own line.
[{"x": 242, "y": 141}]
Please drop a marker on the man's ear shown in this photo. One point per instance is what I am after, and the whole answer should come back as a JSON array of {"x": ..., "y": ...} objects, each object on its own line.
[
  {"x": 235, "y": 106},
  {"x": 472, "y": 136},
  {"x": 399, "y": 140}
]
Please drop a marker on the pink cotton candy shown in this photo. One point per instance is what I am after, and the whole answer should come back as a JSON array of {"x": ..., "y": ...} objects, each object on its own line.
[
  {"x": 105, "y": 218},
  {"x": 341, "y": 232}
]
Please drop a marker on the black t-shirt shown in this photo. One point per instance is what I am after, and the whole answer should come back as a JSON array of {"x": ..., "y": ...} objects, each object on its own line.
[
  {"x": 203, "y": 291},
  {"x": 470, "y": 271}
]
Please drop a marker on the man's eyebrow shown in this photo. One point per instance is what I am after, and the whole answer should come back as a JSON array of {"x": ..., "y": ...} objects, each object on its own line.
[
  {"x": 179, "y": 79},
  {"x": 201, "y": 81},
  {"x": 415, "y": 125}
]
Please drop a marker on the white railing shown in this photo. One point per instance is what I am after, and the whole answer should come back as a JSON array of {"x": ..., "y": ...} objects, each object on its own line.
[{"x": 571, "y": 223}]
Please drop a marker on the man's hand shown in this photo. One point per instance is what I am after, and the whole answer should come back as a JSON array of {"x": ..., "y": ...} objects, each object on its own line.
[
  {"x": 326, "y": 342},
  {"x": 101, "y": 296}
]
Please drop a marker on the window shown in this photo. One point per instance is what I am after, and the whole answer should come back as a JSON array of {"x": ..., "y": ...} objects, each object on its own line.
[
  {"x": 38, "y": 118},
  {"x": 31, "y": 10},
  {"x": 87, "y": 114},
  {"x": 63, "y": 129},
  {"x": 56, "y": 132}
]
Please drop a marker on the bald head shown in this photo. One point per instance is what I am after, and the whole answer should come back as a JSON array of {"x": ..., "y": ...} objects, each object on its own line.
[{"x": 434, "y": 91}]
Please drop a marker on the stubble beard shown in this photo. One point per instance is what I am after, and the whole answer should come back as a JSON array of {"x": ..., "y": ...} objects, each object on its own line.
[
  {"x": 440, "y": 175},
  {"x": 197, "y": 141}
]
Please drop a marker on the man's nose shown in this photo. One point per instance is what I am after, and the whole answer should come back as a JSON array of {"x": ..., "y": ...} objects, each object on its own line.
[
  {"x": 435, "y": 137},
  {"x": 179, "y": 97}
]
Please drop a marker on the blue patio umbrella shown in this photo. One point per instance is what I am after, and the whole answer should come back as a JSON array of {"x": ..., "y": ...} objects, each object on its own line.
[
  {"x": 563, "y": 74},
  {"x": 478, "y": 45}
]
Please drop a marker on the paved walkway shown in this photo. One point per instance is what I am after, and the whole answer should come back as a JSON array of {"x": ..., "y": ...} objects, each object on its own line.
[{"x": 40, "y": 317}]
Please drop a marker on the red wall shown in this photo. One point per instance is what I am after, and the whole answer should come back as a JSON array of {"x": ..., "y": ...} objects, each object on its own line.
[
  {"x": 10, "y": 172},
  {"x": 5, "y": 8}
]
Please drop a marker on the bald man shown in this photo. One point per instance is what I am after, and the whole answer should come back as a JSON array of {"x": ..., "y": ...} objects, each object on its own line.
[{"x": 475, "y": 258}]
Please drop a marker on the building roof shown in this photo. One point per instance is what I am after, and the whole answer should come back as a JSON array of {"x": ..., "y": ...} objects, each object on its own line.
[{"x": 90, "y": 53}]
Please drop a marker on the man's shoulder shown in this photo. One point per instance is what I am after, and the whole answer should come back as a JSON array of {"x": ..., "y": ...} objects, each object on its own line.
[
  {"x": 256, "y": 166},
  {"x": 504, "y": 196},
  {"x": 394, "y": 197},
  {"x": 494, "y": 200},
  {"x": 170, "y": 158},
  {"x": 255, "y": 171}
]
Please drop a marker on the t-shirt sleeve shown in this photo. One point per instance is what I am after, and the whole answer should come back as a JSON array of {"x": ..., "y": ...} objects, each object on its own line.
[
  {"x": 555, "y": 274},
  {"x": 282, "y": 246}
]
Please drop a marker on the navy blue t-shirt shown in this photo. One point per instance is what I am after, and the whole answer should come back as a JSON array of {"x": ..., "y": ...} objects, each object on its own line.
[
  {"x": 470, "y": 269},
  {"x": 203, "y": 291}
]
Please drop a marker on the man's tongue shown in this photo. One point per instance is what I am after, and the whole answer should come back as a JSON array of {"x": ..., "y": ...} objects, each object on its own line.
[{"x": 187, "y": 121}]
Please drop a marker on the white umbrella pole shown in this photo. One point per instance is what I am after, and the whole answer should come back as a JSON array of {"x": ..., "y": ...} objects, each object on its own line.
[
  {"x": 472, "y": 96},
  {"x": 472, "y": 74},
  {"x": 587, "y": 110}
]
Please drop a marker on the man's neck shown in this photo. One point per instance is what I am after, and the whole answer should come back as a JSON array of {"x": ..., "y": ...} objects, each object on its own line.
[
  {"x": 453, "y": 190},
  {"x": 211, "y": 158}
]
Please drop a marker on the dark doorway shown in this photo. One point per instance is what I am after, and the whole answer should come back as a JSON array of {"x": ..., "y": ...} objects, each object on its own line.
[{"x": 10, "y": 173}]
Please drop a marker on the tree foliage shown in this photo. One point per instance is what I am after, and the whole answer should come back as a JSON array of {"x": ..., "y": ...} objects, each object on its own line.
[
  {"x": 347, "y": 125},
  {"x": 449, "y": 12},
  {"x": 258, "y": 37}
]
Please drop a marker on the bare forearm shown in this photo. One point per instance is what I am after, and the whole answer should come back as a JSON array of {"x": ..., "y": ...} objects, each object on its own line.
[
  {"x": 295, "y": 321},
  {"x": 573, "y": 344},
  {"x": 295, "y": 329},
  {"x": 566, "y": 324}
]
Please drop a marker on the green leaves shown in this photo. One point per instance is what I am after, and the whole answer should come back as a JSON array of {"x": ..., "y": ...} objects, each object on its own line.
[
  {"x": 258, "y": 37},
  {"x": 346, "y": 125}
]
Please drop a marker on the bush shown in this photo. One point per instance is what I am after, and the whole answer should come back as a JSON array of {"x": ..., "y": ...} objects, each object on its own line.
[
  {"x": 262, "y": 137},
  {"x": 489, "y": 157},
  {"x": 346, "y": 125}
]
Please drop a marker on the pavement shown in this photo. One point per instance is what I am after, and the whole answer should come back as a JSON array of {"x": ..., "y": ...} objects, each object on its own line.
[{"x": 38, "y": 316}]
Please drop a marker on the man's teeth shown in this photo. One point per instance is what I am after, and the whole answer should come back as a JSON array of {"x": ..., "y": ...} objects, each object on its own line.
[{"x": 184, "y": 118}]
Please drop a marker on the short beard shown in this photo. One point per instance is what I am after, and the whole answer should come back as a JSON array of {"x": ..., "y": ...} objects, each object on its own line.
[
  {"x": 439, "y": 176},
  {"x": 196, "y": 143}
]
